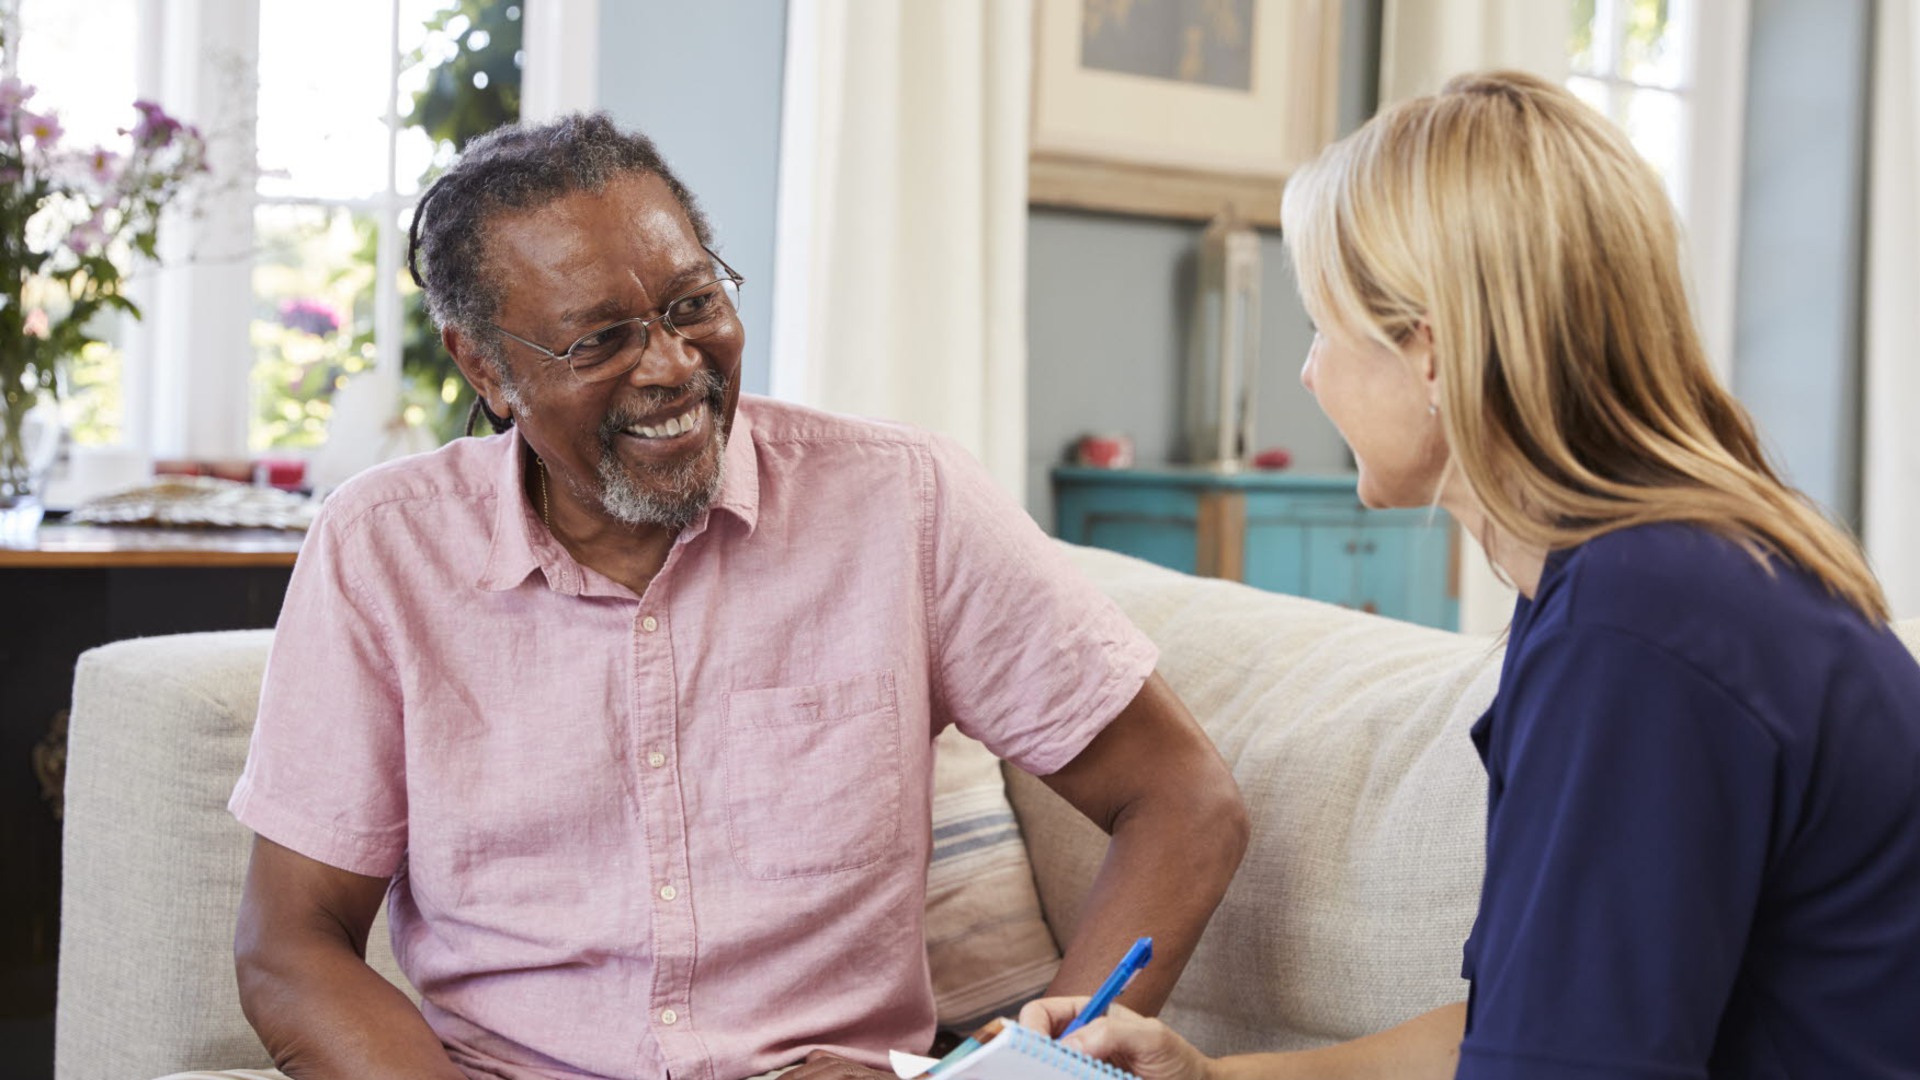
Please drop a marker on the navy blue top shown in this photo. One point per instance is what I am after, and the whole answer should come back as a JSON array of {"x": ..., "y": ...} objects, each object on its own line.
[{"x": 1703, "y": 826}]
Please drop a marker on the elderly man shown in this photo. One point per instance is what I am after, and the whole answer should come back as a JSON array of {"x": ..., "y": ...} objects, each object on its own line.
[{"x": 627, "y": 711}]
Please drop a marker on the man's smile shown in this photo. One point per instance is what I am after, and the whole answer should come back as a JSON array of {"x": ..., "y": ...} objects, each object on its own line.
[{"x": 689, "y": 422}]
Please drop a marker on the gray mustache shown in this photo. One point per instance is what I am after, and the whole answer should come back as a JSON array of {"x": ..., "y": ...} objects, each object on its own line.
[{"x": 703, "y": 385}]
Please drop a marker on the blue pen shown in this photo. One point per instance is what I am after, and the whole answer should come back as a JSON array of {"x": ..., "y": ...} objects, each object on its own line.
[{"x": 1129, "y": 966}]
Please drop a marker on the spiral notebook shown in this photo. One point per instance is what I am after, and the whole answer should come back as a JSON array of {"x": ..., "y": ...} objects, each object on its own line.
[{"x": 1013, "y": 1053}]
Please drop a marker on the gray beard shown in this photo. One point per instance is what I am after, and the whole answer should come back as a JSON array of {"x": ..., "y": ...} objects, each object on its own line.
[
  {"x": 677, "y": 496},
  {"x": 671, "y": 497}
]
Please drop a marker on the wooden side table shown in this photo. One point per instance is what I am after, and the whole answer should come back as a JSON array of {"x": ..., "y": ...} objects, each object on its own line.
[
  {"x": 72, "y": 588},
  {"x": 1303, "y": 535}
]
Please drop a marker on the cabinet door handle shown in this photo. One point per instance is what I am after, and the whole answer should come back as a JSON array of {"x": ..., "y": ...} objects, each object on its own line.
[
  {"x": 1352, "y": 547},
  {"x": 1368, "y": 547},
  {"x": 1370, "y": 608}
]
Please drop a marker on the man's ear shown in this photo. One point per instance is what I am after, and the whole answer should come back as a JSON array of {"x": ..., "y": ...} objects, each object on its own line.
[{"x": 479, "y": 371}]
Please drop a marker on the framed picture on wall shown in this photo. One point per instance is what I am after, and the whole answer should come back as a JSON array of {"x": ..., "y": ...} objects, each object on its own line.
[{"x": 1180, "y": 108}]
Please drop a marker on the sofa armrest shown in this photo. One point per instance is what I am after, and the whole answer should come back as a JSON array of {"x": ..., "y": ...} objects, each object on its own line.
[{"x": 153, "y": 864}]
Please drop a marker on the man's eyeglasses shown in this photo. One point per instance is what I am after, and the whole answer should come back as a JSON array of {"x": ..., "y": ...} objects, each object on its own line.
[{"x": 614, "y": 349}]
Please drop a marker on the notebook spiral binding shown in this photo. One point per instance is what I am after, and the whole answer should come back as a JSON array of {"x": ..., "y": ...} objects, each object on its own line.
[{"x": 1065, "y": 1058}]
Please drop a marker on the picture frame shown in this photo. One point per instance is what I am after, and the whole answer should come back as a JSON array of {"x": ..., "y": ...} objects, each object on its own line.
[{"x": 1180, "y": 108}]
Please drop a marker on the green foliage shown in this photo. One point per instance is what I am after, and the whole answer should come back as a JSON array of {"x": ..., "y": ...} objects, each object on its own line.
[
  {"x": 1647, "y": 26},
  {"x": 454, "y": 107},
  {"x": 469, "y": 38},
  {"x": 1646, "y": 31},
  {"x": 1581, "y": 45}
]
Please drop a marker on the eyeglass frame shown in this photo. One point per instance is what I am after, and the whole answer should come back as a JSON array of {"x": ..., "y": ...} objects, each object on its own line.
[{"x": 646, "y": 325}]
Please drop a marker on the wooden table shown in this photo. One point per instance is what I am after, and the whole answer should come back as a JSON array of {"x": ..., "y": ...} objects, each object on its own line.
[
  {"x": 121, "y": 546},
  {"x": 69, "y": 589}
]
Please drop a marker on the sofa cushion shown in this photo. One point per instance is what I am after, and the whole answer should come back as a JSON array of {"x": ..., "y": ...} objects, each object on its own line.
[{"x": 1348, "y": 736}]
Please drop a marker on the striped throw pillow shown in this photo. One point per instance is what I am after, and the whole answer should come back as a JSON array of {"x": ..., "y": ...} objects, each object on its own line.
[{"x": 987, "y": 943}]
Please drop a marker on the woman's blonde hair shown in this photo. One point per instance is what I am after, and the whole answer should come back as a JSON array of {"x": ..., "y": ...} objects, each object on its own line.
[{"x": 1541, "y": 252}]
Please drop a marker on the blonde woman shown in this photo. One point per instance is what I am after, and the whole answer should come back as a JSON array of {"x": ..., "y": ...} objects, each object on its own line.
[{"x": 1703, "y": 820}]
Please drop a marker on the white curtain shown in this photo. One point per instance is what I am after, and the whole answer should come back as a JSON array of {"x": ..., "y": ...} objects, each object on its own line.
[
  {"x": 1890, "y": 496},
  {"x": 1423, "y": 43},
  {"x": 900, "y": 281}
]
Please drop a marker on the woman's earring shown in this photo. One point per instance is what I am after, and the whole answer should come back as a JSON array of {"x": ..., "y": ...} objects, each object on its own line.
[{"x": 1432, "y": 409}]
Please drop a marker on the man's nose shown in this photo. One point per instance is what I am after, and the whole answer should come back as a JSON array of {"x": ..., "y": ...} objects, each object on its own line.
[{"x": 667, "y": 360}]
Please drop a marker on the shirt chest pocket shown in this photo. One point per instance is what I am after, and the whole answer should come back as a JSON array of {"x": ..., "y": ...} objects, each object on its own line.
[{"x": 813, "y": 776}]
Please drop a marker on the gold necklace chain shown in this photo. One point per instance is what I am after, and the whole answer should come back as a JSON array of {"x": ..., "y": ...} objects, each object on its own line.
[{"x": 546, "y": 506}]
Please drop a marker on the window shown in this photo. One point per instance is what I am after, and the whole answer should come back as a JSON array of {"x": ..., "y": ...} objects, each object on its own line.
[
  {"x": 360, "y": 102},
  {"x": 1630, "y": 62},
  {"x": 1671, "y": 73}
]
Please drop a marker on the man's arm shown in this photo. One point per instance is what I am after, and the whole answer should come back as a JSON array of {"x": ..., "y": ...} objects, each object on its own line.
[
  {"x": 1154, "y": 781},
  {"x": 300, "y": 953}
]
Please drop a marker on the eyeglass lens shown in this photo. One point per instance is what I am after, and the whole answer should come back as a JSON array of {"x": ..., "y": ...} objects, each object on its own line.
[{"x": 693, "y": 316}]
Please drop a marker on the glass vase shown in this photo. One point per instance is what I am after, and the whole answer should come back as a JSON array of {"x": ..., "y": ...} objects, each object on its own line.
[{"x": 29, "y": 441}]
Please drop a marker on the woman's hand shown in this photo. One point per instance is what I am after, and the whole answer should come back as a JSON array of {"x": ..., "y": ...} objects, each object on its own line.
[{"x": 1145, "y": 1047}]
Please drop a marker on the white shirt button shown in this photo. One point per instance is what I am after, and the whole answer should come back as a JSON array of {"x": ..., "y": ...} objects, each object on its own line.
[
  {"x": 668, "y": 892},
  {"x": 649, "y": 624},
  {"x": 668, "y": 1016},
  {"x": 656, "y": 759}
]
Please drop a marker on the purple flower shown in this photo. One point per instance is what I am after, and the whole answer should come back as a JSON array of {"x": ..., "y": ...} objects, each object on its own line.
[
  {"x": 315, "y": 317},
  {"x": 44, "y": 127},
  {"x": 13, "y": 94},
  {"x": 155, "y": 127},
  {"x": 90, "y": 235},
  {"x": 103, "y": 166}
]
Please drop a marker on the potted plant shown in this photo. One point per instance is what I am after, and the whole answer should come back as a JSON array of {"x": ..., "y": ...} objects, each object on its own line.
[{"x": 72, "y": 221}]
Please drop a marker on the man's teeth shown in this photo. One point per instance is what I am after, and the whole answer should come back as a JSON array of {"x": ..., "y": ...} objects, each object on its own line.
[{"x": 683, "y": 423}]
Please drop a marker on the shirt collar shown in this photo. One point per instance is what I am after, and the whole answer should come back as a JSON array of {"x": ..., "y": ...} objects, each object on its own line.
[
  {"x": 740, "y": 476},
  {"x": 521, "y": 543}
]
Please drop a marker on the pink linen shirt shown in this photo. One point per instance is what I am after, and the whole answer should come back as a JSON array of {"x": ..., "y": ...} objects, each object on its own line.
[{"x": 683, "y": 834}]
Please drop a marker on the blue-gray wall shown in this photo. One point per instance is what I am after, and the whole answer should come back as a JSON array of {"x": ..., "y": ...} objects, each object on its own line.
[
  {"x": 704, "y": 81},
  {"x": 1802, "y": 214},
  {"x": 1107, "y": 303}
]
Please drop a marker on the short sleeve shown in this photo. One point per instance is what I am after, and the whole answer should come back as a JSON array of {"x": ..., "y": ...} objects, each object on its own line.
[
  {"x": 325, "y": 771},
  {"x": 1626, "y": 839},
  {"x": 1029, "y": 657}
]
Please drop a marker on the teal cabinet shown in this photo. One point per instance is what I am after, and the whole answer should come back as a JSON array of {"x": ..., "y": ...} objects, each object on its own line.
[{"x": 1302, "y": 535}]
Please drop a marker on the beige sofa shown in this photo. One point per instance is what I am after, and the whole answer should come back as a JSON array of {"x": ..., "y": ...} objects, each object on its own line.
[{"x": 1347, "y": 732}]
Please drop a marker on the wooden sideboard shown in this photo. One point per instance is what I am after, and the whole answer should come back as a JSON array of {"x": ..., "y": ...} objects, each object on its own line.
[
  {"x": 70, "y": 588},
  {"x": 1303, "y": 535}
]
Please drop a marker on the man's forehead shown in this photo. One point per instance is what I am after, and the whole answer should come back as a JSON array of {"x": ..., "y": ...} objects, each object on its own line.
[
  {"x": 632, "y": 232},
  {"x": 637, "y": 205}
]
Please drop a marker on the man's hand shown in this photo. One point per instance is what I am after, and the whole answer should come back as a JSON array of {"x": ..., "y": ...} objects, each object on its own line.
[
  {"x": 1154, "y": 781},
  {"x": 1144, "y": 1047},
  {"x": 821, "y": 1065}
]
